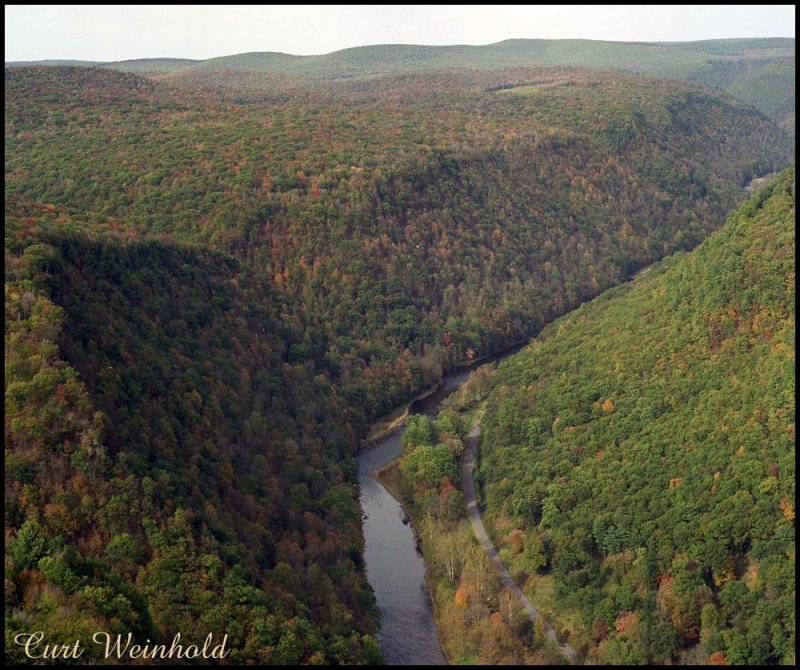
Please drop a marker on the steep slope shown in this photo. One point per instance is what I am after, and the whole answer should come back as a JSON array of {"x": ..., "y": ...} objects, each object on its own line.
[
  {"x": 210, "y": 294},
  {"x": 643, "y": 446},
  {"x": 770, "y": 89},
  {"x": 412, "y": 231},
  {"x": 167, "y": 469}
]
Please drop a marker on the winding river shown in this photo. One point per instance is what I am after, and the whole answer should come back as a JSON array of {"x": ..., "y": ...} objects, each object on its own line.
[{"x": 395, "y": 568}]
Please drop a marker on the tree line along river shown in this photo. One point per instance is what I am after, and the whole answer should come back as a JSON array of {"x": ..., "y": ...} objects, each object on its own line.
[{"x": 395, "y": 568}]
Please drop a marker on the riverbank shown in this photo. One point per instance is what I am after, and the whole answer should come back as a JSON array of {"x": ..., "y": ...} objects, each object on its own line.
[
  {"x": 388, "y": 423},
  {"x": 389, "y": 476},
  {"x": 758, "y": 182},
  {"x": 404, "y": 545},
  {"x": 476, "y": 616}
]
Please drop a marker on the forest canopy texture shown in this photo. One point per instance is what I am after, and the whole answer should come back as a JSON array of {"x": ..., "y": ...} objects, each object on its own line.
[
  {"x": 641, "y": 452},
  {"x": 211, "y": 290}
]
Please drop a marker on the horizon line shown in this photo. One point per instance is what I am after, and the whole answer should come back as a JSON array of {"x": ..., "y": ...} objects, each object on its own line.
[{"x": 395, "y": 44}]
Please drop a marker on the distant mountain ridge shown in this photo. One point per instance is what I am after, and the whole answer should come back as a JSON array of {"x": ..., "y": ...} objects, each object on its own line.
[
  {"x": 143, "y": 66},
  {"x": 525, "y": 51},
  {"x": 733, "y": 65}
]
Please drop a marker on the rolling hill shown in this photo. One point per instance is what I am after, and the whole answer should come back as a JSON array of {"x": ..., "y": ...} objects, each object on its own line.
[{"x": 726, "y": 64}]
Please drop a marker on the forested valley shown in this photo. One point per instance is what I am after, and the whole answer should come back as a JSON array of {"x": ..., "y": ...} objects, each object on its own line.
[
  {"x": 211, "y": 291},
  {"x": 637, "y": 462}
]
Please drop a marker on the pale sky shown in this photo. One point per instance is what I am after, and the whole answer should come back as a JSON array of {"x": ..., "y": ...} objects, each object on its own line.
[{"x": 120, "y": 32}]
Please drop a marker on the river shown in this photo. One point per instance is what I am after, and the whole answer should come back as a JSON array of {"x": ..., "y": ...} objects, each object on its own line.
[{"x": 395, "y": 569}]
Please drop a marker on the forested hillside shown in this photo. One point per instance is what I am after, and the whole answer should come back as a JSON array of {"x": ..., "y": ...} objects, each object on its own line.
[
  {"x": 756, "y": 70},
  {"x": 770, "y": 89},
  {"x": 637, "y": 459},
  {"x": 414, "y": 222},
  {"x": 167, "y": 469},
  {"x": 210, "y": 293}
]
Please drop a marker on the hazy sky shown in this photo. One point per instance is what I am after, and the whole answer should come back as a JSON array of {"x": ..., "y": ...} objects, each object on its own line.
[{"x": 118, "y": 32}]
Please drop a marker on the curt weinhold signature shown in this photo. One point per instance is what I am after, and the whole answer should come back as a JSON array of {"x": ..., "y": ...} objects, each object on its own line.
[{"x": 120, "y": 645}]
